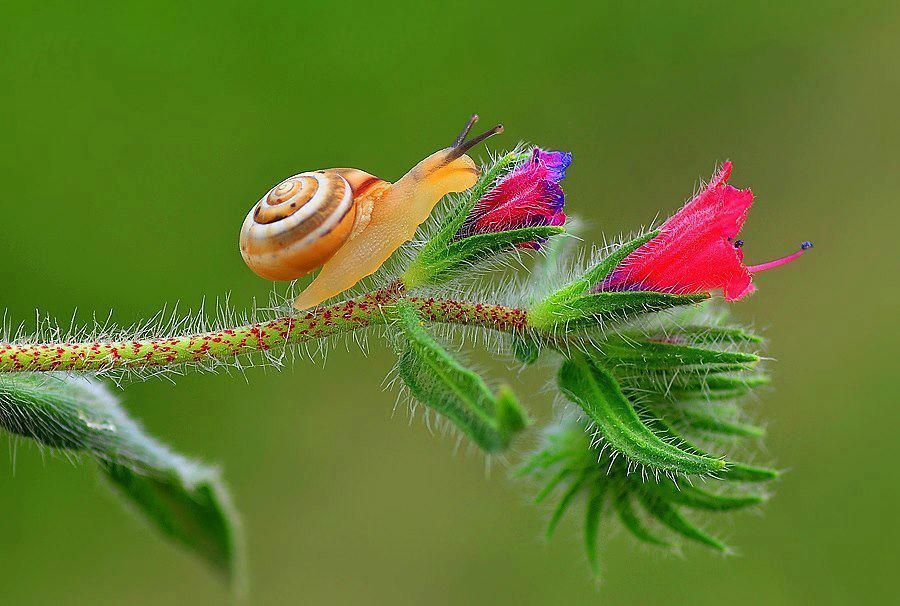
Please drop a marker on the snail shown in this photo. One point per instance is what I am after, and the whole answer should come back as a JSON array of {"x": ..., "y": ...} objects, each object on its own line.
[{"x": 348, "y": 222}]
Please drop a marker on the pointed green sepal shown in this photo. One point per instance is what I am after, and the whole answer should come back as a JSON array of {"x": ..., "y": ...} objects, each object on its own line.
[
  {"x": 602, "y": 307},
  {"x": 716, "y": 335},
  {"x": 735, "y": 472},
  {"x": 550, "y": 486},
  {"x": 698, "y": 498},
  {"x": 717, "y": 387},
  {"x": 438, "y": 380},
  {"x": 508, "y": 411},
  {"x": 673, "y": 519},
  {"x": 741, "y": 472},
  {"x": 598, "y": 273},
  {"x": 593, "y": 513},
  {"x": 595, "y": 390},
  {"x": 699, "y": 387},
  {"x": 633, "y": 523},
  {"x": 654, "y": 355},
  {"x": 565, "y": 501},
  {"x": 457, "y": 257},
  {"x": 710, "y": 423}
]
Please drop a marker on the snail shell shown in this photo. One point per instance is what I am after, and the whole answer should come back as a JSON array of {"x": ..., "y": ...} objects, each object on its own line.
[
  {"x": 303, "y": 221},
  {"x": 347, "y": 221}
]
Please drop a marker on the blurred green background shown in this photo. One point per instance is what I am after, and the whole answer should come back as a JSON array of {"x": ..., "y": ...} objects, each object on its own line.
[{"x": 134, "y": 139}]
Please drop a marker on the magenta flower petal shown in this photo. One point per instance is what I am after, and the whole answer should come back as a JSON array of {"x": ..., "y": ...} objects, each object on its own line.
[
  {"x": 528, "y": 196},
  {"x": 556, "y": 163},
  {"x": 697, "y": 249}
]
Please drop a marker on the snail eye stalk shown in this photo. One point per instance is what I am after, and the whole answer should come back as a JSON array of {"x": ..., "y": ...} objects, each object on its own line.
[
  {"x": 461, "y": 145},
  {"x": 465, "y": 131}
]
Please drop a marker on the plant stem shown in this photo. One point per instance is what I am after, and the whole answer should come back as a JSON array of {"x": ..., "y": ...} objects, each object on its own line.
[{"x": 353, "y": 314}]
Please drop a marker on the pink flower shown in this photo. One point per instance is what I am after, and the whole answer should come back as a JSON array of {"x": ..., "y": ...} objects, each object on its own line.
[
  {"x": 697, "y": 249},
  {"x": 528, "y": 196}
]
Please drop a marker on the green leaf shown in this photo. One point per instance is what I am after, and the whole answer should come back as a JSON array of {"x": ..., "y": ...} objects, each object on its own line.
[
  {"x": 437, "y": 379},
  {"x": 717, "y": 335},
  {"x": 717, "y": 387},
  {"x": 711, "y": 423},
  {"x": 187, "y": 502},
  {"x": 596, "y": 274},
  {"x": 565, "y": 501},
  {"x": 653, "y": 355},
  {"x": 734, "y": 472},
  {"x": 605, "y": 306},
  {"x": 59, "y": 411},
  {"x": 479, "y": 246},
  {"x": 541, "y": 461},
  {"x": 536, "y": 463},
  {"x": 698, "y": 498},
  {"x": 508, "y": 412},
  {"x": 457, "y": 257},
  {"x": 594, "y": 389},
  {"x": 672, "y": 518},
  {"x": 184, "y": 499},
  {"x": 633, "y": 523},
  {"x": 550, "y": 486},
  {"x": 592, "y": 516},
  {"x": 741, "y": 472},
  {"x": 689, "y": 387}
]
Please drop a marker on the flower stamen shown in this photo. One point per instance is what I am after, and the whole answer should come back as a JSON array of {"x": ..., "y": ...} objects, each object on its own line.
[{"x": 753, "y": 269}]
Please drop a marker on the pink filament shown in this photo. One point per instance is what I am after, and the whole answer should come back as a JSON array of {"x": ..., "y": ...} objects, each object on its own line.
[{"x": 783, "y": 260}]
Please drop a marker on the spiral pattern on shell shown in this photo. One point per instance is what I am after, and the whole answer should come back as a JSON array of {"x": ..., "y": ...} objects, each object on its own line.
[{"x": 298, "y": 225}]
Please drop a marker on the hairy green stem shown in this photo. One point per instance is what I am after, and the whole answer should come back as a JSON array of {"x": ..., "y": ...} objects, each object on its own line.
[{"x": 361, "y": 312}]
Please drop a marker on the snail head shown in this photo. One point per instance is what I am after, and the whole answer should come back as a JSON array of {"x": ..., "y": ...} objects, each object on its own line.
[{"x": 451, "y": 167}]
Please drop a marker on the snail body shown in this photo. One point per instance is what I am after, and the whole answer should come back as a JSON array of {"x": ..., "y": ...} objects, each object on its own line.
[{"x": 347, "y": 221}]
